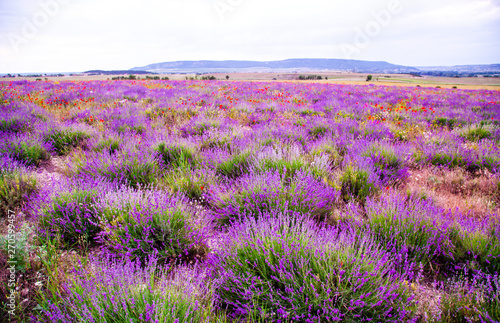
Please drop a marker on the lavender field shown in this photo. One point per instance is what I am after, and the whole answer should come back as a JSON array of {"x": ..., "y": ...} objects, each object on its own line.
[{"x": 215, "y": 201}]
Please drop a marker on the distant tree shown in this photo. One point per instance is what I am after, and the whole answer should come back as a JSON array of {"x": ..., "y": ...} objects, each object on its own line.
[
  {"x": 369, "y": 78},
  {"x": 227, "y": 77}
]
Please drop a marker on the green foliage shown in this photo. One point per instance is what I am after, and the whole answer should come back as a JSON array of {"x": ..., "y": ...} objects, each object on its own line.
[
  {"x": 335, "y": 154},
  {"x": 15, "y": 189},
  {"x": 12, "y": 125},
  {"x": 199, "y": 129},
  {"x": 384, "y": 159},
  {"x": 448, "y": 122},
  {"x": 391, "y": 225},
  {"x": 355, "y": 185},
  {"x": 21, "y": 245},
  {"x": 222, "y": 143},
  {"x": 176, "y": 156},
  {"x": 255, "y": 201},
  {"x": 64, "y": 140},
  {"x": 136, "y": 173},
  {"x": 317, "y": 131},
  {"x": 126, "y": 167},
  {"x": 478, "y": 249},
  {"x": 30, "y": 154},
  {"x": 470, "y": 301},
  {"x": 111, "y": 145},
  {"x": 128, "y": 293},
  {"x": 369, "y": 78},
  {"x": 141, "y": 230},
  {"x": 286, "y": 167},
  {"x": 308, "y": 112},
  {"x": 448, "y": 159},
  {"x": 191, "y": 182},
  {"x": 74, "y": 216},
  {"x": 234, "y": 166},
  {"x": 310, "y": 77},
  {"x": 476, "y": 133}
]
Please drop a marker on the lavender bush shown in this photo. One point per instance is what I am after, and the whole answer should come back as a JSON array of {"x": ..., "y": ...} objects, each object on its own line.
[
  {"x": 284, "y": 267},
  {"x": 290, "y": 195}
]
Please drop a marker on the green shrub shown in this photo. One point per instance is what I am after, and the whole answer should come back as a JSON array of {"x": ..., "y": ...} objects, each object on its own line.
[
  {"x": 12, "y": 125},
  {"x": 74, "y": 216},
  {"x": 176, "y": 156},
  {"x": 122, "y": 291},
  {"x": 448, "y": 159},
  {"x": 137, "y": 129},
  {"x": 448, "y": 122},
  {"x": 355, "y": 184},
  {"x": 15, "y": 190},
  {"x": 64, "y": 140},
  {"x": 134, "y": 168},
  {"x": 21, "y": 246},
  {"x": 152, "y": 225},
  {"x": 112, "y": 145},
  {"x": 335, "y": 154},
  {"x": 286, "y": 167},
  {"x": 275, "y": 270},
  {"x": 480, "y": 250},
  {"x": 409, "y": 225},
  {"x": 234, "y": 166},
  {"x": 211, "y": 143},
  {"x": 317, "y": 131},
  {"x": 385, "y": 161},
  {"x": 30, "y": 154},
  {"x": 475, "y": 299},
  {"x": 192, "y": 182},
  {"x": 476, "y": 133}
]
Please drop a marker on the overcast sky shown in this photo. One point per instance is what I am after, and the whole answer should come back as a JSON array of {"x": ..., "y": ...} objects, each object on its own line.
[{"x": 78, "y": 35}]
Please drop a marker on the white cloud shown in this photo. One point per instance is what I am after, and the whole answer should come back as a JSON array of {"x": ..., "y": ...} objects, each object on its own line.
[{"x": 113, "y": 34}]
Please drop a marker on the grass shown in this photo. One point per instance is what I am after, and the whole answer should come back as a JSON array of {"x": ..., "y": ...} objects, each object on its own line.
[
  {"x": 176, "y": 156},
  {"x": 130, "y": 167},
  {"x": 64, "y": 140},
  {"x": 75, "y": 217},
  {"x": 30, "y": 154},
  {"x": 15, "y": 191},
  {"x": 386, "y": 162},
  {"x": 355, "y": 185},
  {"x": 111, "y": 145},
  {"x": 476, "y": 133},
  {"x": 192, "y": 182},
  {"x": 480, "y": 250},
  {"x": 13, "y": 126},
  {"x": 235, "y": 166}
]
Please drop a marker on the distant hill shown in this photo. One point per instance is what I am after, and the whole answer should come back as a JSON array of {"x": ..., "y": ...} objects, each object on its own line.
[
  {"x": 487, "y": 68},
  {"x": 116, "y": 72},
  {"x": 288, "y": 65},
  {"x": 491, "y": 70}
]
